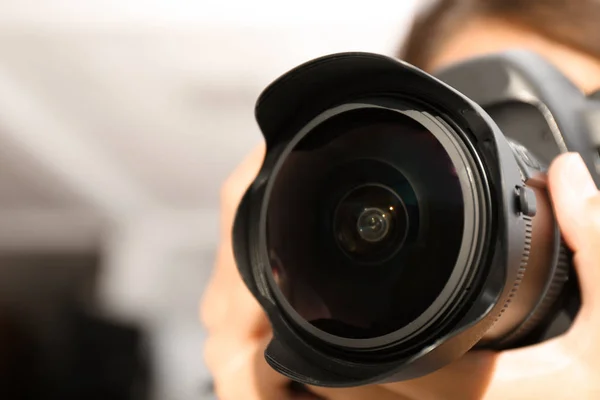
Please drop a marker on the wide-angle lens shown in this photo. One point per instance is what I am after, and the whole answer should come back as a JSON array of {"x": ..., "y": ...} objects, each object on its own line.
[
  {"x": 364, "y": 224},
  {"x": 399, "y": 220}
]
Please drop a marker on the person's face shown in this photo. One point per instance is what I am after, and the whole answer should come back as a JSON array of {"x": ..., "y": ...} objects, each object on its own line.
[{"x": 484, "y": 36}]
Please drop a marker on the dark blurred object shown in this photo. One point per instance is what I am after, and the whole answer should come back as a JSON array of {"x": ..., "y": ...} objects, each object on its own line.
[{"x": 53, "y": 343}]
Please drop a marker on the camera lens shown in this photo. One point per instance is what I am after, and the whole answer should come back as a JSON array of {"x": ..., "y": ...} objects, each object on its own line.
[
  {"x": 364, "y": 225},
  {"x": 370, "y": 223},
  {"x": 392, "y": 226}
]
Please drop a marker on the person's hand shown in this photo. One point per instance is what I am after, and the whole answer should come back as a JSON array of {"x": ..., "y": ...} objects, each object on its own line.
[
  {"x": 238, "y": 329},
  {"x": 565, "y": 367}
]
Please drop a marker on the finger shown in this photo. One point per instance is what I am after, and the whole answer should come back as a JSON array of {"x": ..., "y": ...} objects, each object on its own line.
[
  {"x": 226, "y": 299},
  {"x": 215, "y": 299},
  {"x": 571, "y": 187},
  {"x": 357, "y": 393},
  {"x": 465, "y": 379},
  {"x": 577, "y": 205},
  {"x": 235, "y": 186},
  {"x": 228, "y": 304},
  {"x": 241, "y": 372}
]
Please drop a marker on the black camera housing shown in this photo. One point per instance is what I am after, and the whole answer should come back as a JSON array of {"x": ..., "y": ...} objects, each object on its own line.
[{"x": 515, "y": 94}]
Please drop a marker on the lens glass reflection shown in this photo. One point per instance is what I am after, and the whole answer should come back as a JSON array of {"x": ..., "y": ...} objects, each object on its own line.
[{"x": 370, "y": 223}]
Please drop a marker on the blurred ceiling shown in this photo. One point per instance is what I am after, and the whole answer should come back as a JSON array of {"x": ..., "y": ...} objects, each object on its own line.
[{"x": 116, "y": 108}]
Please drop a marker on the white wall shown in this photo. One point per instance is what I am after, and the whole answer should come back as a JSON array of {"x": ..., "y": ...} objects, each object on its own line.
[
  {"x": 163, "y": 91},
  {"x": 122, "y": 117}
]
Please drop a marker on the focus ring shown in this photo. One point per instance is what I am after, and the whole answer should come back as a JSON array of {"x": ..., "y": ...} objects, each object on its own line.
[
  {"x": 522, "y": 267},
  {"x": 558, "y": 280}
]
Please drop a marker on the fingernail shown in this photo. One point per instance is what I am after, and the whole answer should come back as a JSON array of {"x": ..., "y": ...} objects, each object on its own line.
[{"x": 577, "y": 177}]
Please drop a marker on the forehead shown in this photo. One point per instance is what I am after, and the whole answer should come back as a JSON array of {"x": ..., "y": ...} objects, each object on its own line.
[{"x": 484, "y": 36}]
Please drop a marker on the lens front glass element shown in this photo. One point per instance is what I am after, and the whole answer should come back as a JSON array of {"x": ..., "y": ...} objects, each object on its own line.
[{"x": 364, "y": 223}]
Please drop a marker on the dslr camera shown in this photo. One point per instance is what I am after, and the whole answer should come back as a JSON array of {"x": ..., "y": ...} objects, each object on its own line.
[{"x": 401, "y": 219}]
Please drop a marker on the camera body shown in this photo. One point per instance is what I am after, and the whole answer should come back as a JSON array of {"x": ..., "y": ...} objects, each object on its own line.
[{"x": 459, "y": 159}]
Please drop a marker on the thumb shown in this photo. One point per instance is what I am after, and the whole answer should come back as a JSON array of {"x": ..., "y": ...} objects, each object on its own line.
[{"x": 577, "y": 207}]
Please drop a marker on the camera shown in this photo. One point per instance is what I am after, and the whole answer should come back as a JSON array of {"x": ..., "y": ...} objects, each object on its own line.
[{"x": 401, "y": 219}]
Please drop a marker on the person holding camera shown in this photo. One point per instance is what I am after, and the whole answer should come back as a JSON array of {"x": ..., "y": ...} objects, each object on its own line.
[{"x": 565, "y": 32}]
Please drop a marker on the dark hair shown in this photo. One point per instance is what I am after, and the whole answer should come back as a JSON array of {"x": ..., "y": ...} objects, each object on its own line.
[{"x": 574, "y": 23}]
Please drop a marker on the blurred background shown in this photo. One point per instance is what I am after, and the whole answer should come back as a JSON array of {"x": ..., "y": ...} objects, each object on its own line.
[{"x": 118, "y": 122}]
